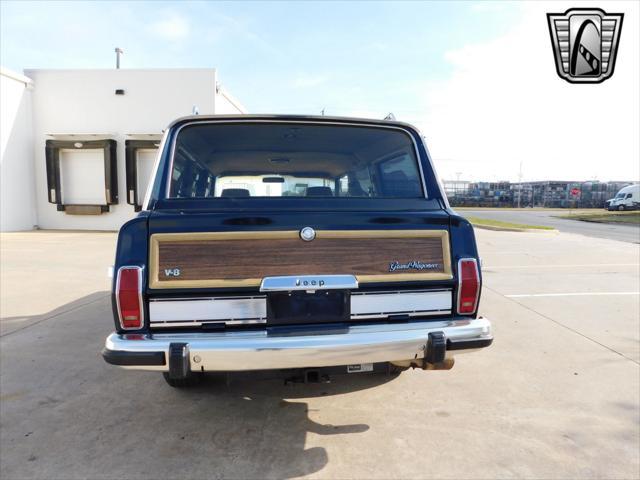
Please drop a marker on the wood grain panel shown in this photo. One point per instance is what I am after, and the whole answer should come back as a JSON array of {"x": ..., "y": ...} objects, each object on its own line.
[{"x": 244, "y": 258}]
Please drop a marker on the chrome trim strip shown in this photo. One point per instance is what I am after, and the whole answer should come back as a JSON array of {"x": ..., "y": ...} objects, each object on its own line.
[
  {"x": 393, "y": 303},
  {"x": 181, "y": 323},
  {"x": 257, "y": 350},
  {"x": 193, "y": 312},
  {"x": 291, "y": 283},
  {"x": 429, "y": 313},
  {"x": 381, "y": 292},
  {"x": 186, "y": 299},
  {"x": 262, "y": 321},
  {"x": 209, "y": 309},
  {"x": 443, "y": 194},
  {"x": 311, "y": 122},
  {"x": 156, "y": 167}
]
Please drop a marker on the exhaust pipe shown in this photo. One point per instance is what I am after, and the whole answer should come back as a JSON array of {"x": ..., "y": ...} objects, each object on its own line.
[
  {"x": 446, "y": 364},
  {"x": 435, "y": 352}
]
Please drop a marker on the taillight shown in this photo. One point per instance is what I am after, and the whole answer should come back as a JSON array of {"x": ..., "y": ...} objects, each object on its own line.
[
  {"x": 129, "y": 298},
  {"x": 468, "y": 285}
]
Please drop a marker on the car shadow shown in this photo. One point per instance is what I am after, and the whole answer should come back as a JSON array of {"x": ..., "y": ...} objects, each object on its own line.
[
  {"x": 265, "y": 428},
  {"x": 136, "y": 425},
  {"x": 10, "y": 324}
]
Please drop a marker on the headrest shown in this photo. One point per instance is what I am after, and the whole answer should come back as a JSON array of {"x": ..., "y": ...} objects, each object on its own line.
[
  {"x": 235, "y": 192},
  {"x": 397, "y": 184},
  {"x": 396, "y": 176},
  {"x": 319, "y": 192},
  {"x": 356, "y": 190}
]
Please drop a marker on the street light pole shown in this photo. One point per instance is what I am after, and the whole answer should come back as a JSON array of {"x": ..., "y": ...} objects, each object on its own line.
[
  {"x": 519, "y": 184},
  {"x": 119, "y": 52}
]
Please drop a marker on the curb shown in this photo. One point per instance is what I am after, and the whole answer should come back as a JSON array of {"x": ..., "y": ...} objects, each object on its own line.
[{"x": 508, "y": 229}]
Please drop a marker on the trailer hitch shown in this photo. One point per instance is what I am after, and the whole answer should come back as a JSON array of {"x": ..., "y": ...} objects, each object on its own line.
[
  {"x": 435, "y": 353},
  {"x": 179, "y": 367},
  {"x": 309, "y": 375}
]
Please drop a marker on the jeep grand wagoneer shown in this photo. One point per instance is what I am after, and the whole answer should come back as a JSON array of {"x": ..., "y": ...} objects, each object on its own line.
[{"x": 297, "y": 244}]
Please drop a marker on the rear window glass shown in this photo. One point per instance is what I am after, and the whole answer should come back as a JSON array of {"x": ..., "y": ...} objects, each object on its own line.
[{"x": 293, "y": 160}]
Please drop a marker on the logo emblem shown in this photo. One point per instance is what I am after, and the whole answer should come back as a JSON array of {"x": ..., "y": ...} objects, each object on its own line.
[
  {"x": 307, "y": 234},
  {"x": 171, "y": 272},
  {"x": 585, "y": 43},
  {"x": 309, "y": 283},
  {"x": 413, "y": 265}
]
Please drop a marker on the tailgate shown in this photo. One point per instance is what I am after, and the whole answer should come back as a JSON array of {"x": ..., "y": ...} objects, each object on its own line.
[{"x": 217, "y": 271}]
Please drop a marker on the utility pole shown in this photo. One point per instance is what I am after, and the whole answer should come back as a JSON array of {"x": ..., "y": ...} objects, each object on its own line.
[
  {"x": 119, "y": 52},
  {"x": 457, "y": 185},
  {"x": 520, "y": 184}
]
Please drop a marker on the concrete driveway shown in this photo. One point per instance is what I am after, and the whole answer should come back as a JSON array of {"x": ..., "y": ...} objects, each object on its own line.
[{"x": 556, "y": 396}]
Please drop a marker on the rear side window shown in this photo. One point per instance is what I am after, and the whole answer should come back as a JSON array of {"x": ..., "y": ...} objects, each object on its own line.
[{"x": 247, "y": 160}]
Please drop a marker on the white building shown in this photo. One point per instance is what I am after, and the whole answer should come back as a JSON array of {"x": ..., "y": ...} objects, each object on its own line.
[{"x": 65, "y": 136}]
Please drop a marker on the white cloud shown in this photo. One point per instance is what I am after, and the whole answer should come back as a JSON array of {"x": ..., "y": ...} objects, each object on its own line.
[
  {"x": 173, "y": 27},
  {"x": 504, "y": 104}
]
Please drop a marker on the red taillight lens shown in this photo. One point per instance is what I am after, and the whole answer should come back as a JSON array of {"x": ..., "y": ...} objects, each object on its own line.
[
  {"x": 129, "y": 298},
  {"x": 468, "y": 285}
]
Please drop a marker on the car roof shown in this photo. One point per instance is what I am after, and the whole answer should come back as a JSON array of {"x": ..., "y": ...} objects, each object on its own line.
[{"x": 296, "y": 118}]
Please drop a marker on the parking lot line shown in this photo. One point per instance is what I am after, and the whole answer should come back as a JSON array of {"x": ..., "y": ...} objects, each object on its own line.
[
  {"x": 572, "y": 294},
  {"x": 580, "y": 265}
]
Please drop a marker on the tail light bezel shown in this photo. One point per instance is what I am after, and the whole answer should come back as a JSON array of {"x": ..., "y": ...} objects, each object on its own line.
[
  {"x": 139, "y": 271},
  {"x": 479, "y": 287}
]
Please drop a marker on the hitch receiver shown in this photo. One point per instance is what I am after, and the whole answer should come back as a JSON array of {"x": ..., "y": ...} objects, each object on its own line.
[
  {"x": 436, "y": 348},
  {"x": 179, "y": 361}
]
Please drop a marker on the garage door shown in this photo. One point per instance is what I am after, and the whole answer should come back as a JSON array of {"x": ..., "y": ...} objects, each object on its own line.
[
  {"x": 145, "y": 158},
  {"x": 82, "y": 176}
]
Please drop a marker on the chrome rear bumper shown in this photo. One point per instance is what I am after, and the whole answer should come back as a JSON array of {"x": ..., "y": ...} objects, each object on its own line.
[{"x": 262, "y": 350}]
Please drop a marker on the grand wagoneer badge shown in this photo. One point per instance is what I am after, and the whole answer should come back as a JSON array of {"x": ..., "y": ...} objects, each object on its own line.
[{"x": 413, "y": 265}]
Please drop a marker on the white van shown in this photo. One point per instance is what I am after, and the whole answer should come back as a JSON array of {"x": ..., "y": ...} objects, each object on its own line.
[{"x": 626, "y": 199}]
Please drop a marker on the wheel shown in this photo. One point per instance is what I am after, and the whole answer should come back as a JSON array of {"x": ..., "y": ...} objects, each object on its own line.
[
  {"x": 191, "y": 380},
  {"x": 621, "y": 208}
]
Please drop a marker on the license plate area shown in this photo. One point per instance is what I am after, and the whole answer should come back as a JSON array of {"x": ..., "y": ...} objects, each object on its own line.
[
  {"x": 360, "y": 367},
  {"x": 300, "y": 307}
]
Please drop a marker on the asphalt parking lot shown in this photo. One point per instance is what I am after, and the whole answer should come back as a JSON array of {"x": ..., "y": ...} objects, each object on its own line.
[
  {"x": 550, "y": 218},
  {"x": 556, "y": 396}
]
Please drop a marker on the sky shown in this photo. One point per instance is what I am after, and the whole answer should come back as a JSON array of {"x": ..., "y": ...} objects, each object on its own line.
[{"x": 477, "y": 78}]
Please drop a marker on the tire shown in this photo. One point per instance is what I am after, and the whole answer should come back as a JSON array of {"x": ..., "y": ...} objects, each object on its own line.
[
  {"x": 190, "y": 381},
  {"x": 621, "y": 208}
]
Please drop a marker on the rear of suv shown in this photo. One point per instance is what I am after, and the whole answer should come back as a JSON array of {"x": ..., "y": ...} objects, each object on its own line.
[{"x": 296, "y": 244}]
